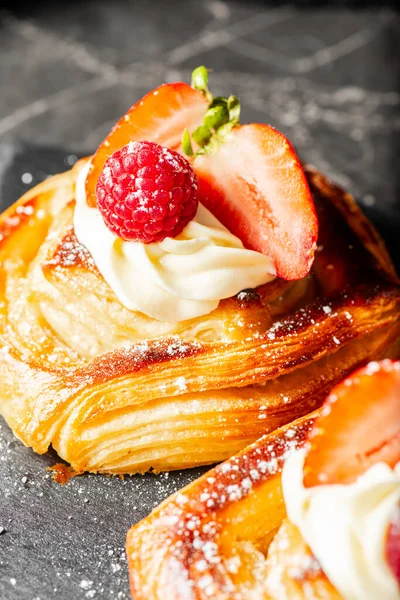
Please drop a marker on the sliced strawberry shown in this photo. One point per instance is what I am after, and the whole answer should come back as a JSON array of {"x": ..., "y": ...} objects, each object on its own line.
[
  {"x": 255, "y": 186},
  {"x": 358, "y": 427},
  {"x": 161, "y": 116},
  {"x": 393, "y": 544}
]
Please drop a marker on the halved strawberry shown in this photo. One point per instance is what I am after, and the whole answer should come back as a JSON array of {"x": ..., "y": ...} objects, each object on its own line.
[
  {"x": 358, "y": 427},
  {"x": 393, "y": 544},
  {"x": 254, "y": 184},
  {"x": 160, "y": 116}
]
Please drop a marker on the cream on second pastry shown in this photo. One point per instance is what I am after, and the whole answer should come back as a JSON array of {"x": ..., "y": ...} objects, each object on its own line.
[
  {"x": 176, "y": 279},
  {"x": 346, "y": 527}
]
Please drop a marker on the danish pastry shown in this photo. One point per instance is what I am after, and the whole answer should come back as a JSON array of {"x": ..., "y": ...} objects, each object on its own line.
[
  {"x": 245, "y": 530},
  {"x": 221, "y": 332},
  {"x": 99, "y": 382}
]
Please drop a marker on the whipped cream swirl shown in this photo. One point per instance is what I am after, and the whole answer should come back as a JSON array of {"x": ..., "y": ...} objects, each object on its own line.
[
  {"x": 346, "y": 527},
  {"x": 176, "y": 279}
]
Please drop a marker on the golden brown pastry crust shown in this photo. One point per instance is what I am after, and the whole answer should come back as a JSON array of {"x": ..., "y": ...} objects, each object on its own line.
[
  {"x": 225, "y": 536},
  {"x": 292, "y": 571},
  {"x": 99, "y": 382},
  {"x": 210, "y": 539}
]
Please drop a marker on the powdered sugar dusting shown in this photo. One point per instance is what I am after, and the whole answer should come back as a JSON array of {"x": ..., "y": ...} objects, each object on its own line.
[
  {"x": 142, "y": 354},
  {"x": 70, "y": 253},
  {"x": 190, "y": 517}
]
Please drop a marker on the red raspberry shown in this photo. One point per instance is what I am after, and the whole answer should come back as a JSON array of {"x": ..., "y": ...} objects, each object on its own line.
[{"x": 146, "y": 192}]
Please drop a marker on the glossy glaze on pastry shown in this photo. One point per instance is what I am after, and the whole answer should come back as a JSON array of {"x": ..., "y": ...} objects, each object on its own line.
[{"x": 98, "y": 382}]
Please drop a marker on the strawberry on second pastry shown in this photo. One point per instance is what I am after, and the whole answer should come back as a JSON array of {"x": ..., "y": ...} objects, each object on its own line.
[{"x": 358, "y": 427}]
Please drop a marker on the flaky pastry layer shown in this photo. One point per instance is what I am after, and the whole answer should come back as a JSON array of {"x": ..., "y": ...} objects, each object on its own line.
[
  {"x": 226, "y": 536},
  {"x": 115, "y": 391}
]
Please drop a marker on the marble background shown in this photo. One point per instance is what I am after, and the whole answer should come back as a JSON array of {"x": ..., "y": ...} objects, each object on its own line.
[{"x": 327, "y": 77}]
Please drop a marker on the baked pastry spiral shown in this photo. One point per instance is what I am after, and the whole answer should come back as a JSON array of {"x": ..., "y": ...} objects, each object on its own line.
[{"x": 115, "y": 391}]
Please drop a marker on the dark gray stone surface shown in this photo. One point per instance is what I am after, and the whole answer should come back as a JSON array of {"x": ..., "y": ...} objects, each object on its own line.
[{"x": 328, "y": 78}]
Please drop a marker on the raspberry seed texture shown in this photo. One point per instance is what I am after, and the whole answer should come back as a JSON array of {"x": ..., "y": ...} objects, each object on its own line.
[{"x": 147, "y": 192}]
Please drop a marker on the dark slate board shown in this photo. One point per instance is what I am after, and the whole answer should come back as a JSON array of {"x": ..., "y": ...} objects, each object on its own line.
[{"x": 327, "y": 78}]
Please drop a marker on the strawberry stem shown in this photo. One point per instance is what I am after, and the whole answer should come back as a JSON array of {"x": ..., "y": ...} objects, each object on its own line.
[
  {"x": 200, "y": 81},
  {"x": 222, "y": 115},
  {"x": 201, "y": 135},
  {"x": 216, "y": 116},
  {"x": 187, "y": 144},
  {"x": 234, "y": 109}
]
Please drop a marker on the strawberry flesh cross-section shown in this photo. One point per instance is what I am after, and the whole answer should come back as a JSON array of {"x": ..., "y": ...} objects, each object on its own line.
[
  {"x": 358, "y": 427},
  {"x": 254, "y": 184}
]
